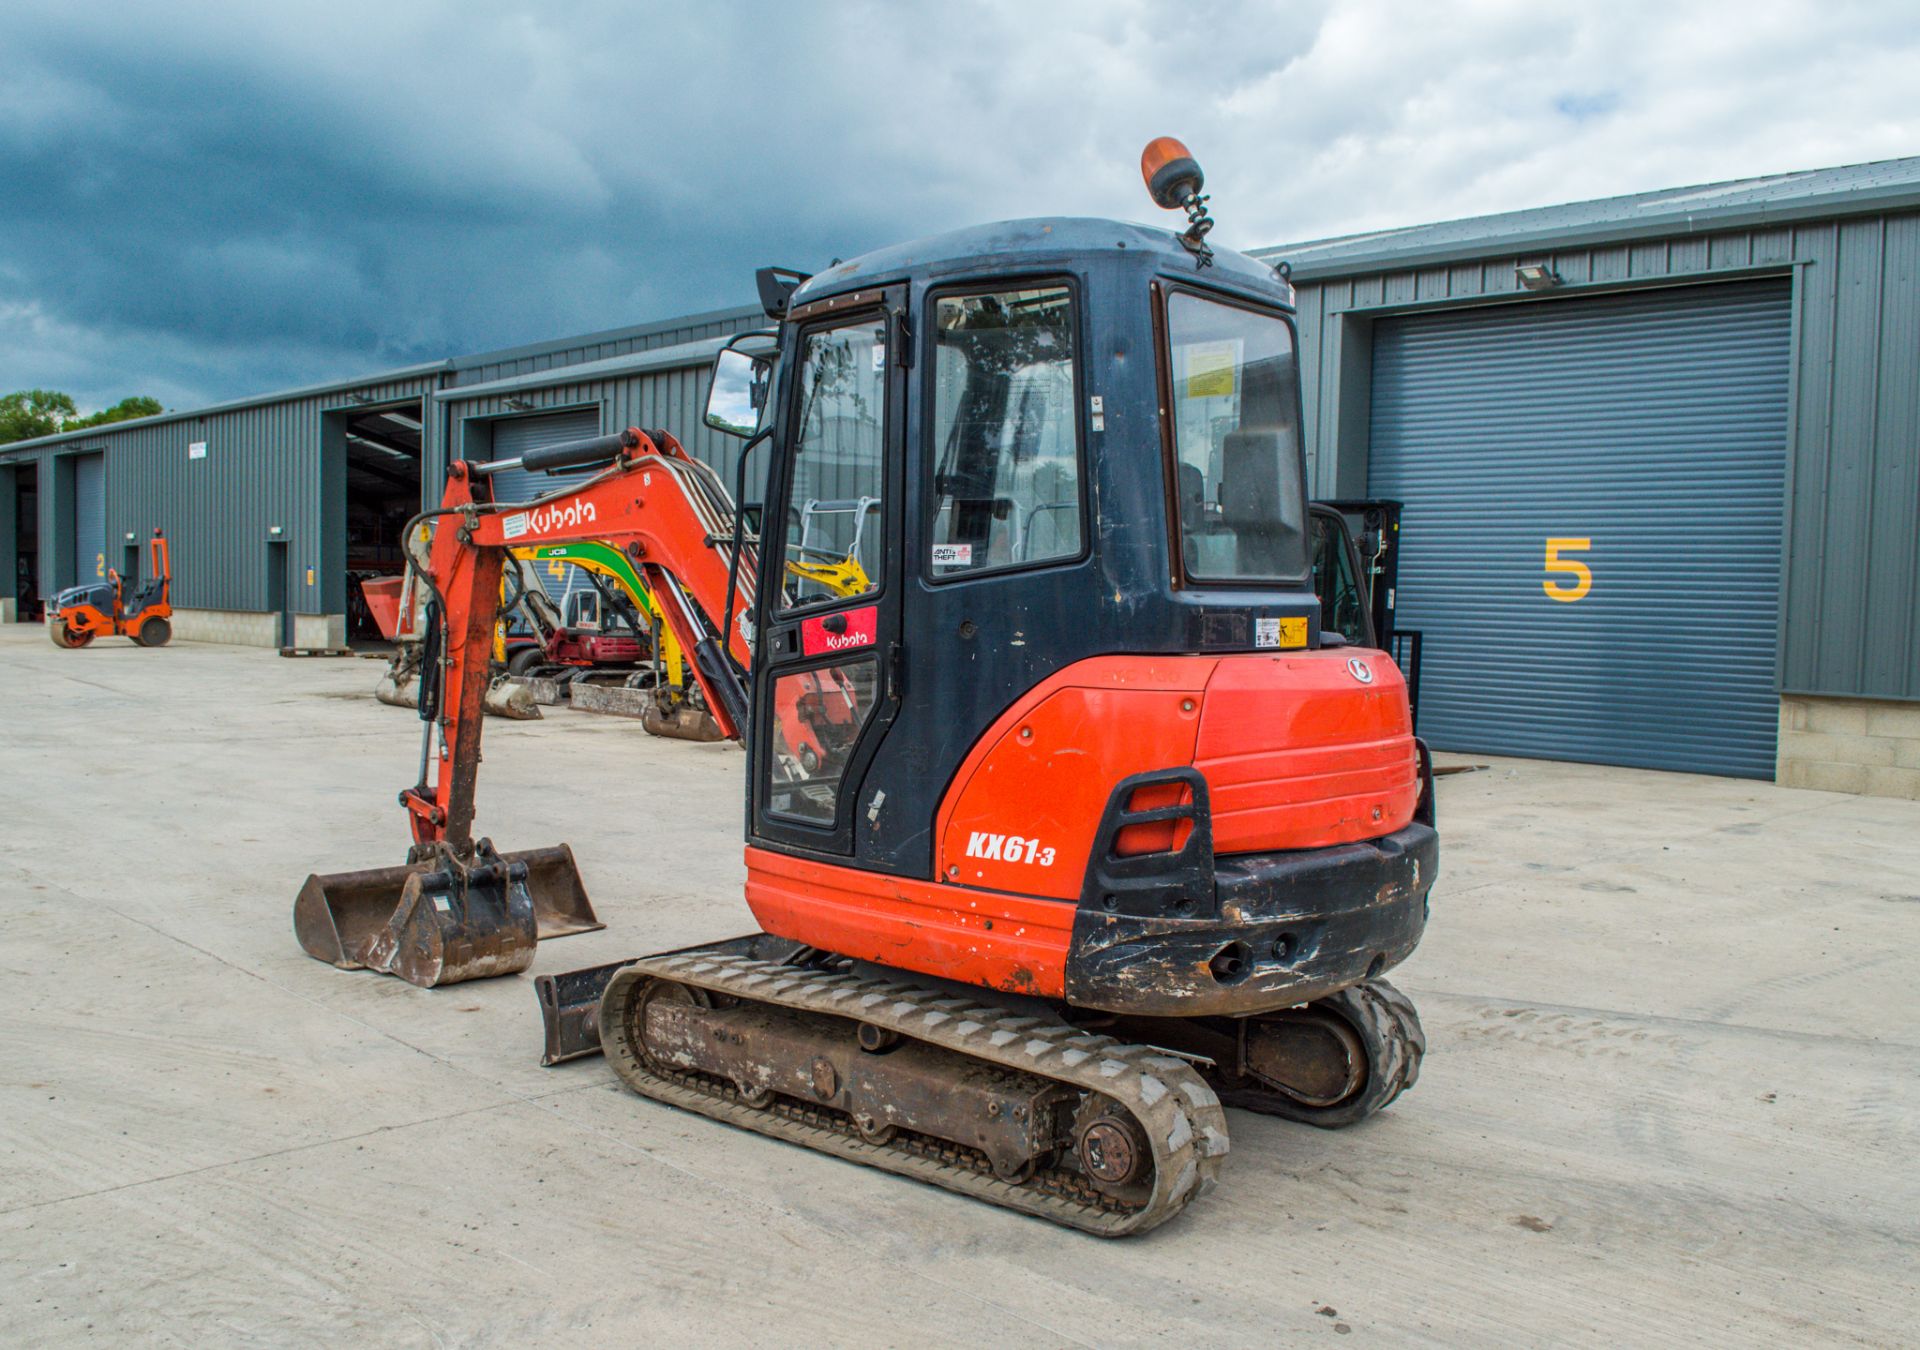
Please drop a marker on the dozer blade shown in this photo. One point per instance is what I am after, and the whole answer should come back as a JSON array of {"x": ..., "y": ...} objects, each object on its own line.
[
  {"x": 430, "y": 926},
  {"x": 570, "y": 1010},
  {"x": 570, "y": 999}
]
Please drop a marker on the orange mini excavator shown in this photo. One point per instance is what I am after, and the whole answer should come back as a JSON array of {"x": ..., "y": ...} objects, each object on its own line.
[
  {"x": 1067, "y": 819},
  {"x": 144, "y": 613}
]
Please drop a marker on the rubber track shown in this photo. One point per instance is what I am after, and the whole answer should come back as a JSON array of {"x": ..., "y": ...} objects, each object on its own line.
[
  {"x": 1182, "y": 1118},
  {"x": 1398, "y": 1027},
  {"x": 1391, "y": 1030}
]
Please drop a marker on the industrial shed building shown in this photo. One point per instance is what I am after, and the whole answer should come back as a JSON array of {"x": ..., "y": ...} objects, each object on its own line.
[
  {"x": 1660, "y": 463},
  {"x": 275, "y": 503},
  {"x": 1659, "y": 457}
]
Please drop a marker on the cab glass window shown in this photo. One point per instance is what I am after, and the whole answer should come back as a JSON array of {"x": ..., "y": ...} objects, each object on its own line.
[
  {"x": 835, "y": 514},
  {"x": 817, "y": 719},
  {"x": 1006, "y": 432},
  {"x": 1239, "y": 480},
  {"x": 1342, "y": 603}
]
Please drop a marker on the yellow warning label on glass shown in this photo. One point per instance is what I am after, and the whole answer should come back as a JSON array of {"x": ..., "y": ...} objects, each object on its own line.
[{"x": 1210, "y": 369}]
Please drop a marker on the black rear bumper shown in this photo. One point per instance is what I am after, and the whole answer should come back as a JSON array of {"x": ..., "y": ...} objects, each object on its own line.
[{"x": 1291, "y": 927}]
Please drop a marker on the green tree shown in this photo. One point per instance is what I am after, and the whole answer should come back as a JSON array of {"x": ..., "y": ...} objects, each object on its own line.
[
  {"x": 41, "y": 412},
  {"x": 124, "y": 411},
  {"x": 33, "y": 412}
]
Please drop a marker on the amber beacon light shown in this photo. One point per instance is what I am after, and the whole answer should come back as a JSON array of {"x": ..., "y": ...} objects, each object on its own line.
[
  {"x": 1172, "y": 173},
  {"x": 1174, "y": 181}
]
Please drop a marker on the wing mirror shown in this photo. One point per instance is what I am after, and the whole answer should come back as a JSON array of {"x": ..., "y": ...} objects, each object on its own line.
[{"x": 737, "y": 394}]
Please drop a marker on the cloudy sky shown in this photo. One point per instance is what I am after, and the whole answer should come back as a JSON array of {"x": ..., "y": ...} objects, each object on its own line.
[{"x": 209, "y": 200}]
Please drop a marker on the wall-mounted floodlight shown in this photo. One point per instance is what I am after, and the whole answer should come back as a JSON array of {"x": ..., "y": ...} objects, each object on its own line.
[
  {"x": 273, "y": 529},
  {"x": 129, "y": 536},
  {"x": 519, "y": 405},
  {"x": 1536, "y": 276}
]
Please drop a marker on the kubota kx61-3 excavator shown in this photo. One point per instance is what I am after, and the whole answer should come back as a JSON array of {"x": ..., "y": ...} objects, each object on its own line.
[{"x": 1067, "y": 822}]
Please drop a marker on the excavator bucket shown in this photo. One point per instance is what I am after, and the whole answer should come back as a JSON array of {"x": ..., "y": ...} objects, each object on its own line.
[
  {"x": 431, "y": 926},
  {"x": 682, "y": 723}
]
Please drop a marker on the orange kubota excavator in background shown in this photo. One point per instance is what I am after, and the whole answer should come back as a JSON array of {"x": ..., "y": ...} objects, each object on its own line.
[{"x": 1067, "y": 818}]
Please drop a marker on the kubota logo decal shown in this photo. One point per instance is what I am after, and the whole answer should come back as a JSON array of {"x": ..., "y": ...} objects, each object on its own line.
[
  {"x": 838, "y": 632},
  {"x": 557, "y": 516},
  {"x": 1008, "y": 848}
]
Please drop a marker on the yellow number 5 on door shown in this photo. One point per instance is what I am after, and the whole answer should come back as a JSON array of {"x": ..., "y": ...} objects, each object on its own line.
[{"x": 1567, "y": 567}]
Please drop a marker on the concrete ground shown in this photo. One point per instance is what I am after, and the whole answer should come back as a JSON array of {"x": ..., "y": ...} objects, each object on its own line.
[{"x": 1673, "y": 1092}]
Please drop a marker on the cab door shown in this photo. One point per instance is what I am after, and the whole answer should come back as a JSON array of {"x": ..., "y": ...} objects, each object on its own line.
[{"x": 826, "y": 679}]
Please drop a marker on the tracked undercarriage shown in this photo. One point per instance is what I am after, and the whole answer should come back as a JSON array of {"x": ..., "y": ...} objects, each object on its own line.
[
  {"x": 1111, "y": 1126},
  {"x": 1018, "y": 1109}
]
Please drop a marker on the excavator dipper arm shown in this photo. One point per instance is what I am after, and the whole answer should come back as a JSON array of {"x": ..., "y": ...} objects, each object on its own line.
[
  {"x": 665, "y": 510},
  {"x": 458, "y": 909}
]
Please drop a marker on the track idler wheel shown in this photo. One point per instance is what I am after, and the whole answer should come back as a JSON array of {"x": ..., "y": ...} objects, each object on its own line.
[
  {"x": 1110, "y": 1147},
  {"x": 1334, "y": 1062}
]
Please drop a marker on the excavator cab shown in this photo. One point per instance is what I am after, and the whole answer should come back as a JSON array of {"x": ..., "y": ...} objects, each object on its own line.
[{"x": 1095, "y": 577}]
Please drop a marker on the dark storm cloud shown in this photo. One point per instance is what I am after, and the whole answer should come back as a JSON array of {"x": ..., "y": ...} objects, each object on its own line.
[{"x": 211, "y": 200}]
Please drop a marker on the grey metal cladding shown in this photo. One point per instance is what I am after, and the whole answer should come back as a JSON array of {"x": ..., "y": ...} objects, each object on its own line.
[
  {"x": 1884, "y": 187},
  {"x": 1850, "y": 622},
  {"x": 262, "y": 468},
  {"x": 673, "y": 400},
  {"x": 1853, "y": 586},
  {"x": 1653, "y": 425},
  {"x": 564, "y": 352}
]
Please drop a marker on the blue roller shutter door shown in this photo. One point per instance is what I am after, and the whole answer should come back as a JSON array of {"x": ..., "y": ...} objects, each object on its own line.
[
  {"x": 89, "y": 518},
  {"x": 1650, "y": 427}
]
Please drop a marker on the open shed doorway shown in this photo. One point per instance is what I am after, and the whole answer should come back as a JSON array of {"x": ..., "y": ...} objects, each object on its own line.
[{"x": 383, "y": 494}]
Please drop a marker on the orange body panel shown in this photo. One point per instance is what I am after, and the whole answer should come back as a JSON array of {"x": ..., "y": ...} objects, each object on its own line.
[
  {"x": 1299, "y": 753},
  {"x": 383, "y": 596},
  {"x": 1005, "y": 942},
  {"x": 1036, "y": 783}
]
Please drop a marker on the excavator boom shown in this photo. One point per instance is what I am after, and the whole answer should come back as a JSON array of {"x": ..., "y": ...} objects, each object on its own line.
[{"x": 459, "y": 909}]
